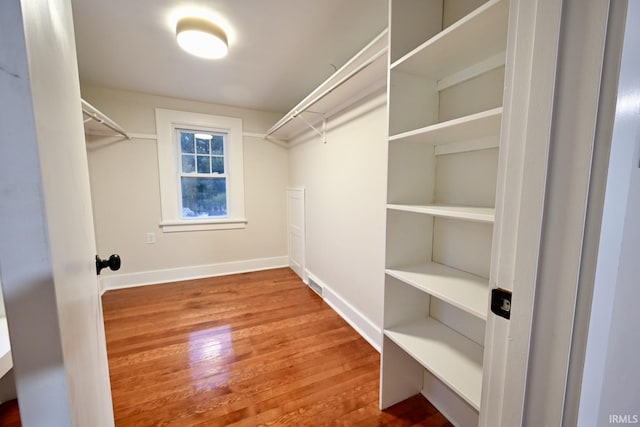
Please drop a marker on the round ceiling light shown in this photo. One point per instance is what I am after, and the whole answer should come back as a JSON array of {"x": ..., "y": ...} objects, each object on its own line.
[{"x": 201, "y": 38}]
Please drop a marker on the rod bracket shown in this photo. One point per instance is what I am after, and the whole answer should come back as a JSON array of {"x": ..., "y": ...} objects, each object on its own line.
[{"x": 322, "y": 133}]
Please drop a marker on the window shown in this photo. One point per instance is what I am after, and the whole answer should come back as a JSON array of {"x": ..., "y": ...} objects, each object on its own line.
[
  {"x": 201, "y": 171},
  {"x": 203, "y": 180}
]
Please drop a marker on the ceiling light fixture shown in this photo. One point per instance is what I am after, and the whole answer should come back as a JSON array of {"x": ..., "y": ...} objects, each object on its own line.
[{"x": 202, "y": 38}]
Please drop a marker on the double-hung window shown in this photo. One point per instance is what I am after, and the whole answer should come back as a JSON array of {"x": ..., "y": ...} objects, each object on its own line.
[
  {"x": 200, "y": 160},
  {"x": 203, "y": 178}
]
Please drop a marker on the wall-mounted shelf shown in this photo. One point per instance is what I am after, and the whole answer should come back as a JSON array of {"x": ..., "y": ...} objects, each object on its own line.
[
  {"x": 363, "y": 74},
  {"x": 480, "y": 35},
  {"x": 468, "y": 213},
  {"x": 475, "y": 126},
  {"x": 450, "y": 356},
  {"x": 98, "y": 123},
  {"x": 458, "y": 288}
]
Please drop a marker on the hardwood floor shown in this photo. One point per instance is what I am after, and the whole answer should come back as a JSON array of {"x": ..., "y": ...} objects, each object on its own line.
[
  {"x": 249, "y": 349},
  {"x": 244, "y": 350},
  {"x": 10, "y": 414}
]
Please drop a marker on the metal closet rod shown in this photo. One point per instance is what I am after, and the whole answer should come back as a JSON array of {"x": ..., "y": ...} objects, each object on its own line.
[
  {"x": 95, "y": 114},
  {"x": 296, "y": 111}
]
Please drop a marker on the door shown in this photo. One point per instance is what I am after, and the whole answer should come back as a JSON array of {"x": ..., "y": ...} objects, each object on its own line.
[
  {"x": 295, "y": 231},
  {"x": 47, "y": 243}
]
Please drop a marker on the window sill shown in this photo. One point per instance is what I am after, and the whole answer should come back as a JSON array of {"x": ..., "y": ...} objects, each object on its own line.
[{"x": 202, "y": 225}]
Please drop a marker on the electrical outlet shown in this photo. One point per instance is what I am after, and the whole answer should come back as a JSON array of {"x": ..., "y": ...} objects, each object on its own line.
[{"x": 151, "y": 238}]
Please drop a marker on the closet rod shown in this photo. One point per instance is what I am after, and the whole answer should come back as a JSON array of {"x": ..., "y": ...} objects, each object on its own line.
[
  {"x": 345, "y": 79},
  {"x": 296, "y": 111},
  {"x": 101, "y": 118}
]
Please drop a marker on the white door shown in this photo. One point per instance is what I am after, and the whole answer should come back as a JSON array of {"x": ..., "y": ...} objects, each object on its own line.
[
  {"x": 295, "y": 231},
  {"x": 47, "y": 243}
]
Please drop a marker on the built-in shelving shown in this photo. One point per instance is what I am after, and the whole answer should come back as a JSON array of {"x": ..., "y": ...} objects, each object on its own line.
[
  {"x": 458, "y": 288},
  {"x": 445, "y": 113},
  {"x": 480, "y": 35},
  {"x": 451, "y": 357},
  {"x": 469, "y": 213}
]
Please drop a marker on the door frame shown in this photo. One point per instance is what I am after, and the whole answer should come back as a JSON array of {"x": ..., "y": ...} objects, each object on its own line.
[
  {"x": 299, "y": 192},
  {"x": 543, "y": 190}
]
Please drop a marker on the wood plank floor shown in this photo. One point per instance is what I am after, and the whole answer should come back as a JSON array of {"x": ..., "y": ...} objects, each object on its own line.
[
  {"x": 244, "y": 350},
  {"x": 247, "y": 350}
]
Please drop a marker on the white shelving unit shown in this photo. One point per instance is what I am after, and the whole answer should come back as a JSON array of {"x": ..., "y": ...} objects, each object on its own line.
[{"x": 446, "y": 80}]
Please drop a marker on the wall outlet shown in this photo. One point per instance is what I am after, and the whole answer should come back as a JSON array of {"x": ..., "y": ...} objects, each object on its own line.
[{"x": 151, "y": 238}]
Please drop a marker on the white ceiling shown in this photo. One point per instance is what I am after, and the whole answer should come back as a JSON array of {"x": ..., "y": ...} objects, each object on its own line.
[{"x": 279, "y": 50}]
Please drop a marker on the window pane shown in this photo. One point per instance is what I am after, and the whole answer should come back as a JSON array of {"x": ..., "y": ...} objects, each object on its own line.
[
  {"x": 186, "y": 142},
  {"x": 204, "y": 164},
  {"x": 217, "y": 144},
  {"x": 188, "y": 164},
  {"x": 202, "y": 146},
  {"x": 204, "y": 197},
  {"x": 218, "y": 164}
]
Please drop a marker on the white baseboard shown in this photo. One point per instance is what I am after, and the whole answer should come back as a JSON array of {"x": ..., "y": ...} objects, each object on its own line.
[
  {"x": 358, "y": 321},
  {"x": 143, "y": 278}
]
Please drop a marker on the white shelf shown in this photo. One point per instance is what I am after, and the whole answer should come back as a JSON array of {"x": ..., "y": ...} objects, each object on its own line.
[
  {"x": 474, "y": 126},
  {"x": 363, "y": 74},
  {"x": 458, "y": 288},
  {"x": 467, "y": 213},
  {"x": 6, "y": 362},
  {"x": 452, "y": 358},
  {"x": 474, "y": 38}
]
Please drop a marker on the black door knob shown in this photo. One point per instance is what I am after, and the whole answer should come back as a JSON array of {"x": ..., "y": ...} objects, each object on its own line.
[{"x": 113, "y": 263}]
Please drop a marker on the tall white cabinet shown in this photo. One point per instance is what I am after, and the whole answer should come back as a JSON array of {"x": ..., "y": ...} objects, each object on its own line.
[{"x": 446, "y": 82}]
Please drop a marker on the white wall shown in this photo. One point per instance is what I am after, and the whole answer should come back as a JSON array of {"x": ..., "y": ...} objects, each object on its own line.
[
  {"x": 126, "y": 195},
  {"x": 345, "y": 181},
  {"x": 2, "y": 313}
]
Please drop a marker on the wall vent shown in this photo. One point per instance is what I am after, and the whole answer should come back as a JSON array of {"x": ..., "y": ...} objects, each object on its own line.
[{"x": 314, "y": 286}]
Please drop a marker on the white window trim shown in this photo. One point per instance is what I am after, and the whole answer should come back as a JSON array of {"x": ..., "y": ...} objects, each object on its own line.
[{"x": 167, "y": 121}]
